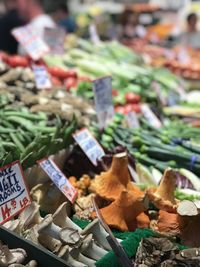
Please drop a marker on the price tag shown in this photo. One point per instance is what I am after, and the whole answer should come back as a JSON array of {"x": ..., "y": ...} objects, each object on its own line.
[
  {"x": 132, "y": 120},
  {"x": 156, "y": 87},
  {"x": 59, "y": 179},
  {"x": 94, "y": 37},
  {"x": 55, "y": 39},
  {"x": 41, "y": 77},
  {"x": 34, "y": 45},
  {"x": 89, "y": 145},
  {"x": 103, "y": 100},
  {"x": 14, "y": 195},
  {"x": 150, "y": 116}
]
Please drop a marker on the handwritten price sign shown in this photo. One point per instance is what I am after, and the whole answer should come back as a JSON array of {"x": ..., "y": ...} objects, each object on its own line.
[
  {"x": 58, "y": 178},
  {"x": 14, "y": 196},
  {"x": 32, "y": 43}
]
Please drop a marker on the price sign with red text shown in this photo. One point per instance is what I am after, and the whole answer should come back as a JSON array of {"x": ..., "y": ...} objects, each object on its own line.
[
  {"x": 14, "y": 195},
  {"x": 59, "y": 179},
  {"x": 89, "y": 145},
  {"x": 28, "y": 37}
]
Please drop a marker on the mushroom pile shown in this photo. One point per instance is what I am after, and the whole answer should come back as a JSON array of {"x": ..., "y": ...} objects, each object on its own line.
[
  {"x": 14, "y": 257},
  {"x": 59, "y": 234}
]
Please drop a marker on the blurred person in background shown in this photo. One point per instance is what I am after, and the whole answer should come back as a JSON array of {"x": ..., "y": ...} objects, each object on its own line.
[
  {"x": 130, "y": 26},
  {"x": 192, "y": 36},
  {"x": 8, "y": 22},
  {"x": 32, "y": 11},
  {"x": 59, "y": 11}
]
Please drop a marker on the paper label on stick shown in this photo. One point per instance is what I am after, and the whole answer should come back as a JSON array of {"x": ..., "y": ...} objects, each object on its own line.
[
  {"x": 55, "y": 39},
  {"x": 42, "y": 78},
  {"x": 156, "y": 87},
  {"x": 14, "y": 195},
  {"x": 89, "y": 145},
  {"x": 103, "y": 100},
  {"x": 28, "y": 37},
  {"x": 150, "y": 116},
  {"x": 59, "y": 179},
  {"x": 132, "y": 120}
]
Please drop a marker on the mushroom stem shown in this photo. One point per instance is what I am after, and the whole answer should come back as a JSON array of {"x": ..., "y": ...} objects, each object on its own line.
[
  {"x": 75, "y": 253},
  {"x": 188, "y": 208},
  {"x": 70, "y": 261},
  {"x": 13, "y": 256},
  {"x": 98, "y": 232},
  {"x": 91, "y": 250},
  {"x": 47, "y": 227},
  {"x": 61, "y": 219},
  {"x": 50, "y": 243}
]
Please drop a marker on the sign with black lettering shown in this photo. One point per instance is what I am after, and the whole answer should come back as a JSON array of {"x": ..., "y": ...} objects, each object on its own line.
[
  {"x": 14, "y": 195},
  {"x": 59, "y": 179}
]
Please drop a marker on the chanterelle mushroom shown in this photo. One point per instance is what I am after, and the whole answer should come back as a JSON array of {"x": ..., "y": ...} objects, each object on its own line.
[
  {"x": 11, "y": 256},
  {"x": 163, "y": 198}
]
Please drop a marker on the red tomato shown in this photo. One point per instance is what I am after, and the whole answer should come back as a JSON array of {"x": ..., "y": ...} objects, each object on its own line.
[
  {"x": 120, "y": 109},
  {"x": 128, "y": 108},
  {"x": 84, "y": 79},
  {"x": 18, "y": 61},
  {"x": 132, "y": 98},
  {"x": 55, "y": 81},
  {"x": 70, "y": 83},
  {"x": 4, "y": 57},
  {"x": 136, "y": 108},
  {"x": 114, "y": 92},
  {"x": 132, "y": 107},
  {"x": 61, "y": 73}
]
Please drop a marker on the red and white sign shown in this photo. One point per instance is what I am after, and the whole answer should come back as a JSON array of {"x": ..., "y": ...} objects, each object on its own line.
[
  {"x": 33, "y": 44},
  {"x": 89, "y": 145},
  {"x": 58, "y": 178},
  {"x": 14, "y": 195}
]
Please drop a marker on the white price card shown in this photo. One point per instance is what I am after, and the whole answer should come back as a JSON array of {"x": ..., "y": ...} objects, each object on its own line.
[
  {"x": 33, "y": 44},
  {"x": 94, "y": 37},
  {"x": 55, "y": 39},
  {"x": 42, "y": 78},
  {"x": 14, "y": 195},
  {"x": 132, "y": 120},
  {"x": 103, "y": 100},
  {"x": 59, "y": 179},
  {"x": 150, "y": 116},
  {"x": 156, "y": 87},
  {"x": 89, "y": 145}
]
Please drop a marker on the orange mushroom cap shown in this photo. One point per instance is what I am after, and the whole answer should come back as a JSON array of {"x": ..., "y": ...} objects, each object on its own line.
[
  {"x": 122, "y": 213},
  {"x": 143, "y": 220},
  {"x": 111, "y": 183},
  {"x": 168, "y": 222}
]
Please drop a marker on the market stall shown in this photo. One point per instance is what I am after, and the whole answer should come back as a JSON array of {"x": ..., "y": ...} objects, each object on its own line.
[{"x": 99, "y": 152}]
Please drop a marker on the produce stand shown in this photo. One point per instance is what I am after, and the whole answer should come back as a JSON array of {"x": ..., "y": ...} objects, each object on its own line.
[{"x": 100, "y": 148}]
